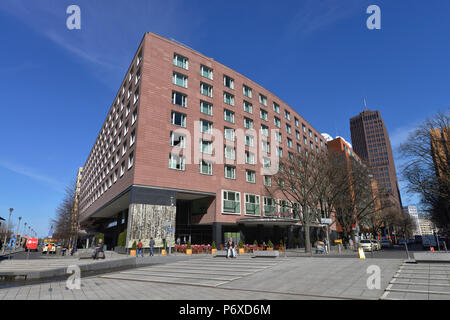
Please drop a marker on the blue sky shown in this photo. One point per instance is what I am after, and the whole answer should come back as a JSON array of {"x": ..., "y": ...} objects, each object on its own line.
[{"x": 57, "y": 84}]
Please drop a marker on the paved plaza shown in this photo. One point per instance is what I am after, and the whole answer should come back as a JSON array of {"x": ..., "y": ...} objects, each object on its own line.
[
  {"x": 209, "y": 278},
  {"x": 422, "y": 281}
]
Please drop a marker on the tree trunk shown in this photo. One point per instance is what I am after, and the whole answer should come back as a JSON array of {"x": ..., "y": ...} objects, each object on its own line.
[{"x": 307, "y": 239}]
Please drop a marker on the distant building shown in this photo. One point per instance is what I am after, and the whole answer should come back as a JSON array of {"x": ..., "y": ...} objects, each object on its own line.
[
  {"x": 412, "y": 211},
  {"x": 426, "y": 226},
  {"x": 371, "y": 142},
  {"x": 74, "y": 222}
]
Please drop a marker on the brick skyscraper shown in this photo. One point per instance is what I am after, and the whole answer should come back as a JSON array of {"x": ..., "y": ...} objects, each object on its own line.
[{"x": 370, "y": 141}]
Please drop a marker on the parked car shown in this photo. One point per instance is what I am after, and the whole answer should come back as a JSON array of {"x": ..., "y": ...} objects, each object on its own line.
[
  {"x": 411, "y": 241},
  {"x": 428, "y": 241},
  {"x": 386, "y": 243},
  {"x": 367, "y": 245},
  {"x": 402, "y": 242},
  {"x": 376, "y": 243}
]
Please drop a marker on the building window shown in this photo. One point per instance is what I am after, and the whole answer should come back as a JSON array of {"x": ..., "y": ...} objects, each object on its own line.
[
  {"x": 205, "y": 167},
  {"x": 138, "y": 76},
  {"x": 265, "y": 146},
  {"x": 297, "y": 134},
  {"x": 206, "y": 108},
  {"x": 125, "y": 131},
  {"x": 252, "y": 205},
  {"x": 180, "y": 61},
  {"x": 266, "y": 162},
  {"x": 130, "y": 160},
  {"x": 229, "y": 134},
  {"x": 122, "y": 168},
  {"x": 206, "y": 146},
  {"x": 299, "y": 148},
  {"x": 248, "y": 107},
  {"x": 206, "y": 126},
  {"x": 230, "y": 153},
  {"x": 284, "y": 206},
  {"x": 228, "y": 115},
  {"x": 139, "y": 58},
  {"x": 248, "y": 123},
  {"x": 247, "y": 91},
  {"x": 277, "y": 122},
  {"x": 249, "y": 140},
  {"x": 177, "y": 140},
  {"x": 296, "y": 122},
  {"x": 206, "y": 72},
  {"x": 264, "y": 130},
  {"x": 178, "y": 119},
  {"x": 268, "y": 181},
  {"x": 206, "y": 89},
  {"x": 228, "y": 98},
  {"x": 124, "y": 148},
  {"x": 279, "y": 136},
  {"x": 230, "y": 172},
  {"x": 289, "y": 142},
  {"x": 287, "y": 115},
  {"x": 264, "y": 114},
  {"x": 127, "y": 111},
  {"x": 270, "y": 207},
  {"x": 136, "y": 96},
  {"x": 134, "y": 117},
  {"x": 228, "y": 82},
  {"x": 263, "y": 100},
  {"x": 179, "y": 99},
  {"x": 115, "y": 175},
  {"x": 304, "y": 128},
  {"x": 132, "y": 137},
  {"x": 276, "y": 107},
  {"x": 249, "y": 157},
  {"x": 231, "y": 202},
  {"x": 180, "y": 80},
  {"x": 279, "y": 152},
  {"x": 288, "y": 129},
  {"x": 176, "y": 162}
]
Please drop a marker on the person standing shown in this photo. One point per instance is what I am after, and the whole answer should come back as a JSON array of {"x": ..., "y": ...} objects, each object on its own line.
[
  {"x": 140, "y": 249},
  {"x": 152, "y": 244}
]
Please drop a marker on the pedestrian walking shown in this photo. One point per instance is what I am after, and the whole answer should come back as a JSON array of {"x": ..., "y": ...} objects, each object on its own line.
[
  {"x": 152, "y": 244},
  {"x": 139, "y": 249}
]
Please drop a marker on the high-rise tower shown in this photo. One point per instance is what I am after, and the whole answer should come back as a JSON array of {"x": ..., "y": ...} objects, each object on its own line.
[{"x": 370, "y": 141}]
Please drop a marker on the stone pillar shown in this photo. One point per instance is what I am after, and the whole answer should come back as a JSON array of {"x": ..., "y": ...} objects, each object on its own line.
[
  {"x": 290, "y": 232},
  {"x": 217, "y": 233},
  {"x": 241, "y": 228},
  {"x": 148, "y": 220},
  {"x": 260, "y": 233}
]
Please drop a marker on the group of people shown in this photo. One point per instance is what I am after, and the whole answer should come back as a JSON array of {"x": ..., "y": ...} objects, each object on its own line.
[{"x": 139, "y": 248}]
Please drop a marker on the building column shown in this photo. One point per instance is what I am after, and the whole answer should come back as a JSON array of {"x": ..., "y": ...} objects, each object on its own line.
[
  {"x": 260, "y": 233},
  {"x": 217, "y": 233},
  {"x": 290, "y": 232},
  {"x": 241, "y": 229}
]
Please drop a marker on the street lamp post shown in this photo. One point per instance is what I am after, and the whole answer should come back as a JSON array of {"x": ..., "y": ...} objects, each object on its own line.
[
  {"x": 7, "y": 228},
  {"x": 17, "y": 233}
]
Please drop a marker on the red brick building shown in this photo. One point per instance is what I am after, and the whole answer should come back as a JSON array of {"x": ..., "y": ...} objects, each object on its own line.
[{"x": 182, "y": 149}]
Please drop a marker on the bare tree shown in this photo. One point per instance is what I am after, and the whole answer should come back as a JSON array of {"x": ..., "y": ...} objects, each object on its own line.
[
  {"x": 62, "y": 223},
  {"x": 298, "y": 182},
  {"x": 427, "y": 166}
]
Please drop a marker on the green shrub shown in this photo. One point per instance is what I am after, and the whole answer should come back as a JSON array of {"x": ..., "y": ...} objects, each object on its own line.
[
  {"x": 270, "y": 244},
  {"x": 188, "y": 245},
  {"x": 100, "y": 236},
  {"x": 281, "y": 243},
  {"x": 134, "y": 246},
  {"x": 213, "y": 245},
  {"x": 240, "y": 244},
  {"x": 122, "y": 240},
  {"x": 255, "y": 243}
]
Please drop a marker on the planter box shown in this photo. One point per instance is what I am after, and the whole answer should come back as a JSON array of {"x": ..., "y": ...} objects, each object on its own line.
[
  {"x": 241, "y": 250},
  {"x": 269, "y": 249},
  {"x": 188, "y": 252},
  {"x": 213, "y": 251},
  {"x": 163, "y": 252},
  {"x": 133, "y": 253}
]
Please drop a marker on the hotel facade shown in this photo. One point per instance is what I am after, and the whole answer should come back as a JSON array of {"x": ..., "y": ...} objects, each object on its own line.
[{"x": 187, "y": 150}]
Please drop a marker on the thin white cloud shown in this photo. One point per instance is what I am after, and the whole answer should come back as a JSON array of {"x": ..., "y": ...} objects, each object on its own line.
[{"x": 30, "y": 173}]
